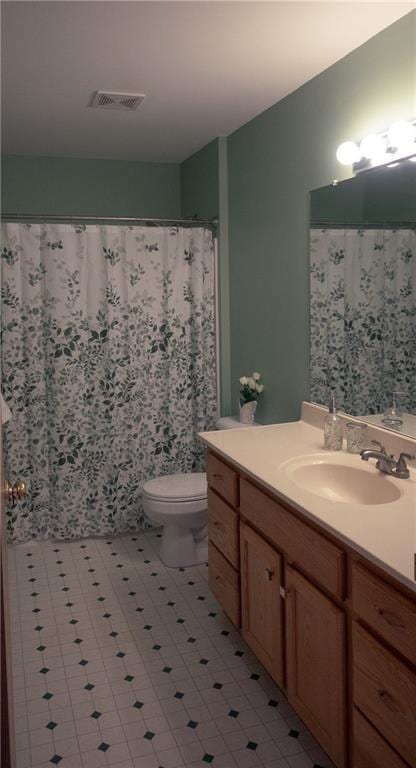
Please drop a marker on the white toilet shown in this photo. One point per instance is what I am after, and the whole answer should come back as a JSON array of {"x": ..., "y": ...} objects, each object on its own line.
[{"x": 179, "y": 503}]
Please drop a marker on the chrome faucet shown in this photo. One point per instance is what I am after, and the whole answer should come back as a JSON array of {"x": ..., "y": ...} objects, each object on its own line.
[{"x": 388, "y": 464}]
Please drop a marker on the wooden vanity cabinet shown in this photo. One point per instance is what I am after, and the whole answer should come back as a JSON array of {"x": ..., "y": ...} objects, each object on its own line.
[
  {"x": 316, "y": 663},
  {"x": 261, "y": 601},
  {"x": 332, "y": 629}
]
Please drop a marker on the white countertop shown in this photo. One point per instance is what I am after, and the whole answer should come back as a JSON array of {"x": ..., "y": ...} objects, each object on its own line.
[{"x": 385, "y": 533}]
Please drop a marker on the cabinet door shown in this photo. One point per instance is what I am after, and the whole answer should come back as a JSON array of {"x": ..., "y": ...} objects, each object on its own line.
[
  {"x": 261, "y": 602},
  {"x": 315, "y": 651}
]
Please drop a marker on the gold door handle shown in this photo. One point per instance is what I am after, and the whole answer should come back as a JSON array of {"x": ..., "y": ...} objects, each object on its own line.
[{"x": 15, "y": 492}]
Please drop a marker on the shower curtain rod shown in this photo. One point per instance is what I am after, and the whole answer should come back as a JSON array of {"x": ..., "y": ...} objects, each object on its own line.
[
  {"x": 363, "y": 225},
  {"x": 148, "y": 219}
]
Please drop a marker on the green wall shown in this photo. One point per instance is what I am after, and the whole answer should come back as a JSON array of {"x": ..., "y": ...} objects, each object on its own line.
[
  {"x": 204, "y": 193},
  {"x": 57, "y": 185},
  {"x": 199, "y": 183},
  {"x": 274, "y": 161}
]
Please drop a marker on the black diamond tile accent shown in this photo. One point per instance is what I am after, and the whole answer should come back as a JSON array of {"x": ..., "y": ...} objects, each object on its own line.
[
  {"x": 212, "y": 615},
  {"x": 41, "y": 648},
  {"x": 38, "y": 628},
  {"x": 180, "y": 621},
  {"x": 147, "y": 626},
  {"x": 113, "y": 634},
  {"x": 294, "y": 734},
  {"x": 47, "y": 696},
  {"x": 203, "y": 661},
  {"x": 162, "y": 589},
  {"x": 29, "y": 554},
  {"x": 170, "y": 603},
  {"x": 120, "y": 655},
  {"x": 34, "y": 594},
  {"x": 103, "y": 747},
  {"x": 129, "y": 678},
  {"x": 95, "y": 583},
  {"x": 139, "y": 610},
  {"x": 158, "y": 535},
  {"x": 190, "y": 640},
  {"x": 201, "y": 597},
  {"x": 55, "y": 759},
  {"x": 31, "y": 580},
  {"x": 218, "y": 686},
  {"x": 114, "y": 554},
  {"x": 59, "y": 562},
  {"x": 225, "y": 633},
  {"x": 65, "y": 589},
  {"x": 315, "y": 765},
  {"x": 82, "y": 546},
  {"x": 125, "y": 578},
  {"x": 132, "y": 594},
  {"x": 138, "y": 704},
  {"x": 233, "y": 713},
  {"x": 157, "y": 647},
  {"x": 56, "y": 550},
  {"x": 74, "y": 621},
  {"x": 149, "y": 735},
  {"x": 78, "y": 641},
  {"x": 95, "y": 714},
  {"x": 272, "y": 703},
  {"x": 140, "y": 549},
  {"x": 252, "y": 745},
  {"x": 207, "y": 758},
  {"x": 91, "y": 570},
  {"x": 192, "y": 724},
  {"x": 69, "y": 605},
  {"x": 154, "y": 574},
  {"x": 83, "y": 662},
  {"x": 119, "y": 565},
  {"x": 133, "y": 539},
  {"x": 100, "y": 599},
  {"x": 62, "y": 575},
  {"x": 106, "y": 615},
  {"x": 51, "y": 725},
  {"x": 182, "y": 570},
  {"x": 36, "y": 610},
  {"x": 146, "y": 561},
  {"x": 178, "y": 695},
  {"x": 254, "y": 677},
  {"x": 87, "y": 558},
  {"x": 191, "y": 583},
  {"x": 44, "y": 671},
  {"x": 167, "y": 670},
  {"x": 89, "y": 687},
  {"x": 239, "y": 653},
  {"x": 30, "y": 566}
]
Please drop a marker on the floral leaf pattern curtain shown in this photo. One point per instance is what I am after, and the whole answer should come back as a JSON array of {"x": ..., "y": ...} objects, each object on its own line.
[
  {"x": 108, "y": 365},
  {"x": 363, "y": 318}
]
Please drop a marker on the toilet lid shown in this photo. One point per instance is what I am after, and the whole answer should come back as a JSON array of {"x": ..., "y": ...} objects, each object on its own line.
[{"x": 180, "y": 487}]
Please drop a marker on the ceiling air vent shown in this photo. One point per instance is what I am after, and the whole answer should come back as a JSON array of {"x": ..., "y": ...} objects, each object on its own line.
[{"x": 128, "y": 102}]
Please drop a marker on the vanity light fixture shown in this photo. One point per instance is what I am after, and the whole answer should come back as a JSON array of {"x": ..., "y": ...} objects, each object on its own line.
[{"x": 389, "y": 148}]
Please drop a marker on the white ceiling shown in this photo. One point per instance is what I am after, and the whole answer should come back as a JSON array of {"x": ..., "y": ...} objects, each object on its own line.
[{"x": 206, "y": 68}]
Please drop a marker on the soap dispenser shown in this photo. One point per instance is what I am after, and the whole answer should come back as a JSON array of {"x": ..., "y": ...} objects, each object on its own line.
[{"x": 332, "y": 428}]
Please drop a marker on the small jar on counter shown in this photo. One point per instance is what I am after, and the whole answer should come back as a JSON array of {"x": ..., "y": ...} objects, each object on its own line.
[{"x": 356, "y": 433}]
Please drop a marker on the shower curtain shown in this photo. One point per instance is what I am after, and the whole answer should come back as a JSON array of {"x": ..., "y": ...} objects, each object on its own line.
[
  {"x": 363, "y": 318},
  {"x": 108, "y": 366}
]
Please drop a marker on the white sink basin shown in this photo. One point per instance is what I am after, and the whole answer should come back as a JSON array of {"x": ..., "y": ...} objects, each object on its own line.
[{"x": 341, "y": 479}]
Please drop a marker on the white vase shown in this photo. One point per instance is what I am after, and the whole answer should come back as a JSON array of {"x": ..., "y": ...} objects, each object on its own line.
[{"x": 247, "y": 411}]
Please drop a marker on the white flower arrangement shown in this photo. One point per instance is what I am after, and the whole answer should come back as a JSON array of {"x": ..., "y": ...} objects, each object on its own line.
[{"x": 250, "y": 388}]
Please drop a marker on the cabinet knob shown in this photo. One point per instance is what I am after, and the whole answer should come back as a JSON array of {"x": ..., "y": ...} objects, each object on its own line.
[{"x": 269, "y": 574}]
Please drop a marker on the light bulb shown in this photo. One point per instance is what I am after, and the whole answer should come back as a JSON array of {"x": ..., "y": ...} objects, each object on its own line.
[
  {"x": 401, "y": 133},
  {"x": 348, "y": 153},
  {"x": 373, "y": 146}
]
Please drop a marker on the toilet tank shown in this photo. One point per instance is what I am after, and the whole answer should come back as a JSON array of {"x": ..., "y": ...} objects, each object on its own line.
[{"x": 227, "y": 422}]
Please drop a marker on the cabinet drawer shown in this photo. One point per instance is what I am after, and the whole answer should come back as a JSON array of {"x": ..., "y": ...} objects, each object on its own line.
[
  {"x": 370, "y": 749},
  {"x": 385, "y": 690},
  {"x": 381, "y": 606},
  {"x": 223, "y": 527},
  {"x": 302, "y": 544},
  {"x": 222, "y": 479},
  {"x": 224, "y": 583}
]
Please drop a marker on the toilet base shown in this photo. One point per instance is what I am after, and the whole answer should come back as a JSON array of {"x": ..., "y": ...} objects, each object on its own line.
[{"x": 179, "y": 549}]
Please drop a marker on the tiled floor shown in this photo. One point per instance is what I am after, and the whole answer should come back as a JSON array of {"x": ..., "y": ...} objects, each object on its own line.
[{"x": 119, "y": 661}]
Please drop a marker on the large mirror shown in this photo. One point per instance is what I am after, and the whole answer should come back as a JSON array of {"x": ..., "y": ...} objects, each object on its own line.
[{"x": 363, "y": 296}]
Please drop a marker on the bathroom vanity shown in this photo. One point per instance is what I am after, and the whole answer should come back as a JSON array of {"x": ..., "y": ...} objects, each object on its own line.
[{"x": 319, "y": 576}]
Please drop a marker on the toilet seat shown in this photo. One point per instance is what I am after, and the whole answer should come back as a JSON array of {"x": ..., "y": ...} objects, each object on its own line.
[{"x": 178, "y": 488}]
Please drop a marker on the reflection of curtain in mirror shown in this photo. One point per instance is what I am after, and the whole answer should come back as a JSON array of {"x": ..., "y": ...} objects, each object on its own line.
[{"x": 363, "y": 317}]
